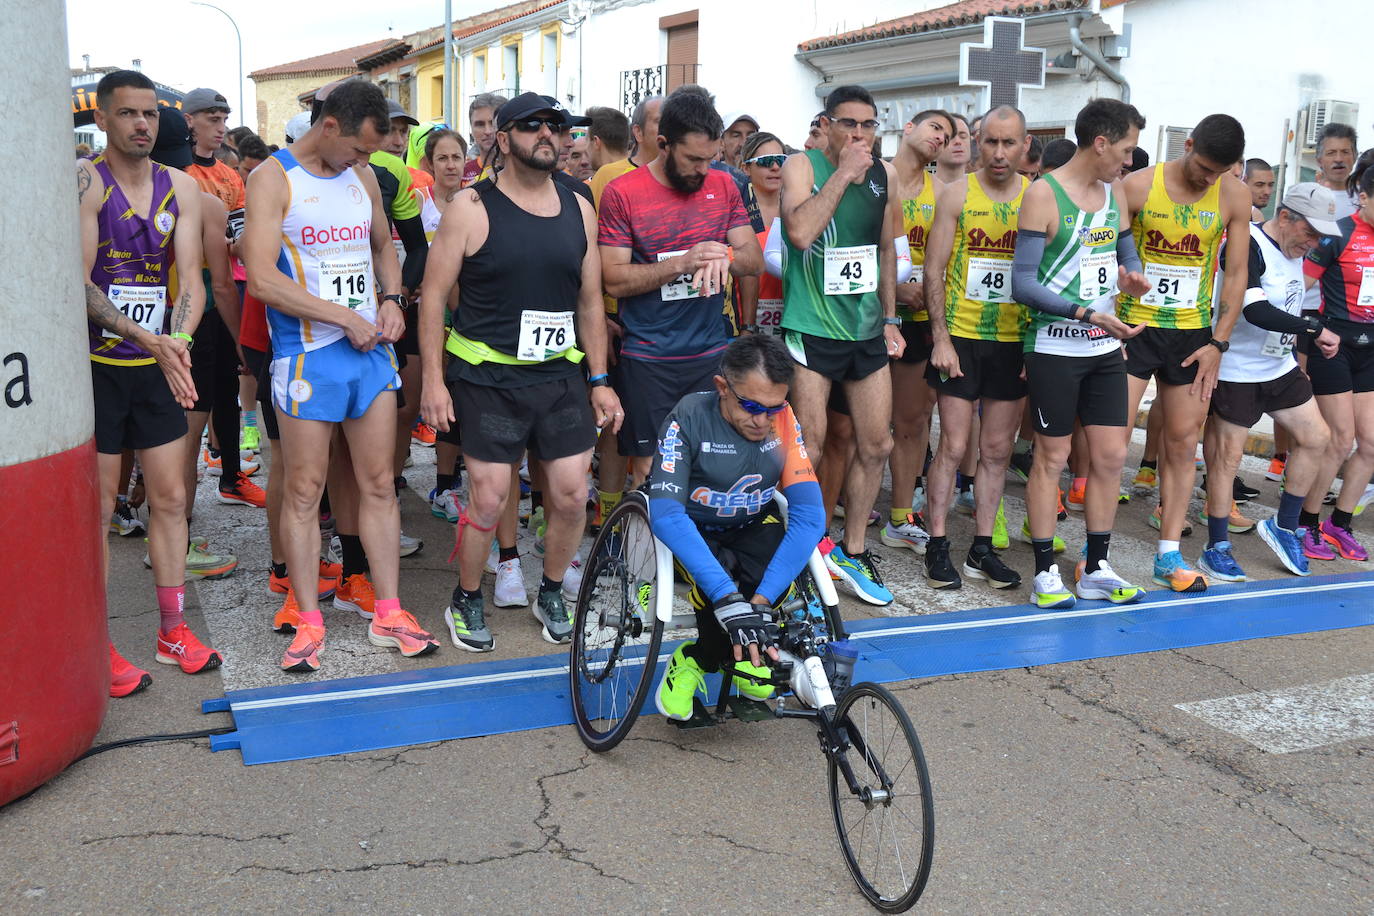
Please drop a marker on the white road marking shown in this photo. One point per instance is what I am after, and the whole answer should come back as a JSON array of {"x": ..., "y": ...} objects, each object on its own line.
[{"x": 1295, "y": 718}]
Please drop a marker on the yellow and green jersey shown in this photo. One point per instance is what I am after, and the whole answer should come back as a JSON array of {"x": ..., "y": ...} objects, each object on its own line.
[
  {"x": 1178, "y": 246},
  {"x": 978, "y": 302},
  {"x": 917, "y": 215}
]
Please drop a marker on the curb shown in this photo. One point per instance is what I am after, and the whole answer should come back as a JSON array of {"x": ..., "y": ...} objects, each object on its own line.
[{"x": 1257, "y": 444}]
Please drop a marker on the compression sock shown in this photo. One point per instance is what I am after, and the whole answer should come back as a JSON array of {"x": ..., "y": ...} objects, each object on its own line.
[
  {"x": 1044, "y": 554},
  {"x": 385, "y": 606},
  {"x": 898, "y": 516},
  {"x": 354, "y": 559},
  {"x": 1290, "y": 507},
  {"x": 1099, "y": 542},
  {"x": 315, "y": 618},
  {"x": 509, "y": 553},
  {"x": 250, "y": 419},
  {"x": 1308, "y": 520},
  {"x": 1217, "y": 530},
  {"x": 1341, "y": 519},
  {"x": 608, "y": 501},
  {"x": 1080, "y": 484},
  {"x": 171, "y": 605}
]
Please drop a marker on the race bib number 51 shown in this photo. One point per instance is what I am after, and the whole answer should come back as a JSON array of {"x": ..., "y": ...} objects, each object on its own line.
[
  {"x": 1171, "y": 286},
  {"x": 851, "y": 270}
]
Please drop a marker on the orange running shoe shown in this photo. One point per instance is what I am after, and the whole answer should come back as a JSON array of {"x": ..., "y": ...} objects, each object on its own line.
[
  {"x": 180, "y": 647},
  {"x": 1077, "y": 496},
  {"x": 401, "y": 630},
  {"x": 243, "y": 493},
  {"x": 1063, "y": 513},
  {"x": 124, "y": 677},
  {"x": 356, "y": 594},
  {"x": 330, "y": 570},
  {"x": 288, "y": 619},
  {"x": 304, "y": 652},
  {"x": 282, "y": 584},
  {"x": 1276, "y": 468},
  {"x": 423, "y": 433}
]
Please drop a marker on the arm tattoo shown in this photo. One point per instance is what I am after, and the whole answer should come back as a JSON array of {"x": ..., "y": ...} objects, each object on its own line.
[
  {"x": 183, "y": 309},
  {"x": 83, "y": 184},
  {"x": 101, "y": 310}
]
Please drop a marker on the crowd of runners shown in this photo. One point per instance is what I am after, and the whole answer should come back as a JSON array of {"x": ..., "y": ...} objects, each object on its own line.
[{"x": 534, "y": 300}]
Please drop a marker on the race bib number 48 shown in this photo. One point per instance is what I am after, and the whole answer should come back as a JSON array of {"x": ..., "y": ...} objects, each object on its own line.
[
  {"x": 145, "y": 306},
  {"x": 851, "y": 270},
  {"x": 1171, "y": 286},
  {"x": 345, "y": 282},
  {"x": 543, "y": 335},
  {"x": 989, "y": 280}
]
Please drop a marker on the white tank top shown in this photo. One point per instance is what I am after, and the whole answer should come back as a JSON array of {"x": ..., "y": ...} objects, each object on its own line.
[
  {"x": 429, "y": 214},
  {"x": 1257, "y": 355},
  {"x": 326, "y": 247}
]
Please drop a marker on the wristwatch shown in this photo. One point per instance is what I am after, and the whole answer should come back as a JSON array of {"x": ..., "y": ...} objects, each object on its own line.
[
  {"x": 397, "y": 298},
  {"x": 893, "y": 321},
  {"x": 1088, "y": 315},
  {"x": 1221, "y": 345}
]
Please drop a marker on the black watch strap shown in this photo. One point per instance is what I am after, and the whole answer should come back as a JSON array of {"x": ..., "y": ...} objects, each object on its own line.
[
  {"x": 1222, "y": 345},
  {"x": 397, "y": 298}
]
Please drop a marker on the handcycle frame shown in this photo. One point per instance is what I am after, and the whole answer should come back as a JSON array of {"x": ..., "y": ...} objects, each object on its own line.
[{"x": 799, "y": 645}]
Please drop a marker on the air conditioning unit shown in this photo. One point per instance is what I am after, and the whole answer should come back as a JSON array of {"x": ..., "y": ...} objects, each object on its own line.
[
  {"x": 1328, "y": 111},
  {"x": 1171, "y": 140}
]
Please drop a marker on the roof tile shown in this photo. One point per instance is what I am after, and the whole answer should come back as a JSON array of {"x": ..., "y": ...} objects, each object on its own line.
[
  {"x": 334, "y": 60},
  {"x": 965, "y": 12}
]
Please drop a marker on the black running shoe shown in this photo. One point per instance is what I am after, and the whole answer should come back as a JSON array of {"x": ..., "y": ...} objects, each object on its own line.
[
  {"x": 1020, "y": 465},
  {"x": 1242, "y": 492},
  {"x": 987, "y": 565},
  {"x": 940, "y": 572}
]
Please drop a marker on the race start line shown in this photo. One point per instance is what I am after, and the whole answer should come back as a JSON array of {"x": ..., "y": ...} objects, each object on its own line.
[{"x": 324, "y": 718}]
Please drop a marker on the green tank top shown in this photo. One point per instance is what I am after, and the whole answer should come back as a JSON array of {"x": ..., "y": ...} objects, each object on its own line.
[
  {"x": 831, "y": 289},
  {"x": 1079, "y": 264}
]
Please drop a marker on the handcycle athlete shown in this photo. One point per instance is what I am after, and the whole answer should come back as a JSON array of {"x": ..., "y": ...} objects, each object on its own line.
[{"x": 727, "y": 459}]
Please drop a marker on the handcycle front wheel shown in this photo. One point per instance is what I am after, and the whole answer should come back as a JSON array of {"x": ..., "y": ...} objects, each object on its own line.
[
  {"x": 887, "y": 827},
  {"x": 616, "y": 635}
]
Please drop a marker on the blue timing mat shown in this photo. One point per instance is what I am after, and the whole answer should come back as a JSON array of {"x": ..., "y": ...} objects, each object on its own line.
[{"x": 323, "y": 718}]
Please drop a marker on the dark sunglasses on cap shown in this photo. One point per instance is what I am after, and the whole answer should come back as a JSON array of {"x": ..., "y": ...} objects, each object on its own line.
[
  {"x": 532, "y": 125},
  {"x": 774, "y": 160},
  {"x": 754, "y": 407}
]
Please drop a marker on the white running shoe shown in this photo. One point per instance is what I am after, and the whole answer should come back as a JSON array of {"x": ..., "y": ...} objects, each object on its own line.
[
  {"x": 572, "y": 578},
  {"x": 1105, "y": 585},
  {"x": 510, "y": 585},
  {"x": 410, "y": 545},
  {"x": 1048, "y": 590}
]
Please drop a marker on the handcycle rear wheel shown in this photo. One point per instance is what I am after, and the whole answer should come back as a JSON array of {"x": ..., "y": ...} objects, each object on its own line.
[
  {"x": 616, "y": 635},
  {"x": 887, "y": 829}
]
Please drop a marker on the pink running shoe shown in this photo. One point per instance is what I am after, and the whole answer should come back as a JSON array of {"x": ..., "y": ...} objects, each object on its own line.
[
  {"x": 1343, "y": 541},
  {"x": 1315, "y": 547}
]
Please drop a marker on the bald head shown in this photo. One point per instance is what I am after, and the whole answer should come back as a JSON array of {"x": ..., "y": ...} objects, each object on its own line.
[{"x": 1004, "y": 112}]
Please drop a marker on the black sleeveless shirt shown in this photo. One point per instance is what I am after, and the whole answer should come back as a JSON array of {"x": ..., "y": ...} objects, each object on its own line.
[{"x": 527, "y": 262}]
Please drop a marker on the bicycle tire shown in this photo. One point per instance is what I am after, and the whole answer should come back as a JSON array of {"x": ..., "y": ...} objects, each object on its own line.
[
  {"x": 598, "y": 692},
  {"x": 855, "y": 715}
]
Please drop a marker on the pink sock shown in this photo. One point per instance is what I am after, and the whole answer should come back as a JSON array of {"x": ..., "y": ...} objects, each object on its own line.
[
  {"x": 171, "y": 603},
  {"x": 385, "y": 606},
  {"x": 315, "y": 618},
  {"x": 1080, "y": 482}
]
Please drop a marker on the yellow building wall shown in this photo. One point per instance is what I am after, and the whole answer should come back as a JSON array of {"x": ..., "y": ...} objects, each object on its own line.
[{"x": 429, "y": 85}]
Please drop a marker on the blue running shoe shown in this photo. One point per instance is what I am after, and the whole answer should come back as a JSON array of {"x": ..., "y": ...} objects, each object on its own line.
[
  {"x": 1287, "y": 546},
  {"x": 861, "y": 575},
  {"x": 1218, "y": 563},
  {"x": 1174, "y": 573}
]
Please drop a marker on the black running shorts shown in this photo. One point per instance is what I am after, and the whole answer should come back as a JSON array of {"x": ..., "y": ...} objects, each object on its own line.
[
  {"x": 919, "y": 342},
  {"x": 649, "y": 390},
  {"x": 1089, "y": 389},
  {"x": 1160, "y": 352},
  {"x": 1351, "y": 369},
  {"x": 553, "y": 419},
  {"x": 1243, "y": 403},
  {"x": 837, "y": 360},
  {"x": 134, "y": 408},
  {"x": 991, "y": 369}
]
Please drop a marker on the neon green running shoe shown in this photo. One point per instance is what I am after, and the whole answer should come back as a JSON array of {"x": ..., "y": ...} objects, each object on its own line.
[
  {"x": 1026, "y": 536},
  {"x": 250, "y": 440},
  {"x": 750, "y": 688},
  {"x": 1000, "y": 541},
  {"x": 681, "y": 682}
]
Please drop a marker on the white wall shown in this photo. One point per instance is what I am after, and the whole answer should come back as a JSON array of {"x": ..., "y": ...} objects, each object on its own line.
[{"x": 1261, "y": 65}]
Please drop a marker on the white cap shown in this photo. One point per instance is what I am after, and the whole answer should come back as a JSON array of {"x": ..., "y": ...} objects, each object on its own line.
[
  {"x": 297, "y": 126},
  {"x": 1314, "y": 203}
]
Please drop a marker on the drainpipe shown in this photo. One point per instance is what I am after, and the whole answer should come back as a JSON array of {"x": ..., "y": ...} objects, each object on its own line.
[{"x": 1094, "y": 55}]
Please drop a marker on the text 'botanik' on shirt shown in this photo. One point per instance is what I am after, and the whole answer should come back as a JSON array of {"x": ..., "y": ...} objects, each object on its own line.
[{"x": 656, "y": 223}]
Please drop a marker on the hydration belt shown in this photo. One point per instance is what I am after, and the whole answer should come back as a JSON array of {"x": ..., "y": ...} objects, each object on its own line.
[{"x": 476, "y": 352}]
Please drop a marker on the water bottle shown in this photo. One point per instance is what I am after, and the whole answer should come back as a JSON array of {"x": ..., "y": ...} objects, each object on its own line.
[
  {"x": 840, "y": 657},
  {"x": 809, "y": 681}
]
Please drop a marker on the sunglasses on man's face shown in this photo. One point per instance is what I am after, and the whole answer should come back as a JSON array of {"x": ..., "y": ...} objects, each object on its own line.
[
  {"x": 768, "y": 162},
  {"x": 754, "y": 407},
  {"x": 532, "y": 125}
]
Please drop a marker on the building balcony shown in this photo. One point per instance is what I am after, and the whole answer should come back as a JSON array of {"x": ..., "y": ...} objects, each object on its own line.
[{"x": 646, "y": 82}]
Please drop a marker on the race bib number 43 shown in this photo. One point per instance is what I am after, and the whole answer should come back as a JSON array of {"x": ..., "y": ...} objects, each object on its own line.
[
  {"x": 345, "y": 282},
  {"x": 989, "y": 280},
  {"x": 1171, "y": 286},
  {"x": 543, "y": 335},
  {"x": 145, "y": 306},
  {"x": 851, "y": 270}
]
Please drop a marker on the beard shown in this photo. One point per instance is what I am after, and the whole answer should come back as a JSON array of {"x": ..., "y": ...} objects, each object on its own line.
[
  {"x": 688, "y": 184},
  {"x": 531, "y": 158}
]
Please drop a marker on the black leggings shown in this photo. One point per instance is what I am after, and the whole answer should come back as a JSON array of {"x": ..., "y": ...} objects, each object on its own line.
[{"x": 214, "y": 369}]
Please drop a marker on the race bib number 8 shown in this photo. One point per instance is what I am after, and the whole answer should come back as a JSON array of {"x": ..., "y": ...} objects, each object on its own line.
[
  {"x": 769, "y": 316},
  {"x": 145, "y": 306},
  {"x": 1096, "y": 275},
  {"x": 543, "y": 335},
  {"x": 679, "y": 288},
  {"x": 988, "y": 280},
  {"x": 345, "y": 282},
  {"x": 851, "y": 270},
  {"x": 1171, "y": 286}
]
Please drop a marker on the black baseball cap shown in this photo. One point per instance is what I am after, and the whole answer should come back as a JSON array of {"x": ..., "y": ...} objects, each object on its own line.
[
  {"x": 528, "y": 104},
  {"x": 172, "y": 147}
]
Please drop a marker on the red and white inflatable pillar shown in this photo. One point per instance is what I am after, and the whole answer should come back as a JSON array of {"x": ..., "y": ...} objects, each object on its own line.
[{"x": 54, "y": 664}]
